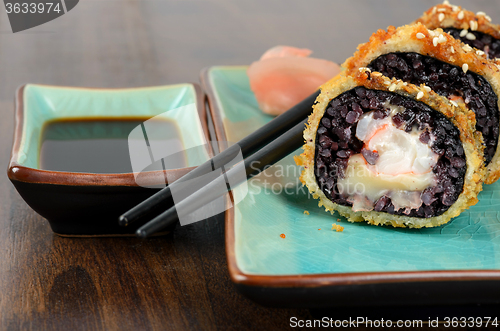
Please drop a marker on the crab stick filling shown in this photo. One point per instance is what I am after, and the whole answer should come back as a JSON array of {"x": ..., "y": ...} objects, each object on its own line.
[{"x": 393, "y": 163}]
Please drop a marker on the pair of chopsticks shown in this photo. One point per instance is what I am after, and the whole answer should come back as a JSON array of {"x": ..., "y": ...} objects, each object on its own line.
[{"x": 264, "y": 147}]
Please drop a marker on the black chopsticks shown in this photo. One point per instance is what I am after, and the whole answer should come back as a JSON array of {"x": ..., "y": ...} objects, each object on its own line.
[
  {"x": 254, "y": 164},
  {"x": 248, "y": 145}
]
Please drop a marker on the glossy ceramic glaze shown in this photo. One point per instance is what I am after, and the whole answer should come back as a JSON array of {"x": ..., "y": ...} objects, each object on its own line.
[
  {"x": 79, "y": 203},
  {"x": 322, "y": 262}
]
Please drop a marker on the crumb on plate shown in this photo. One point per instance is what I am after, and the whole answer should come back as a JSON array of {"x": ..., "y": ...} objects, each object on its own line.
[
  {"x": 282, "y": 236},
  {"x": 306, "y": 212},
  {"x": 337, "y": 227}
]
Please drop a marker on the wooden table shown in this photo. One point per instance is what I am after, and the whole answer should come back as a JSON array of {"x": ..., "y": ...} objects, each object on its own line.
[{"x": 179, "y": 281}]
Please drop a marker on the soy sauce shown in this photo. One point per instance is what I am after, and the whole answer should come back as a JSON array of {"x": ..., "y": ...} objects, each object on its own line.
[{"x": 102, "y": 145}]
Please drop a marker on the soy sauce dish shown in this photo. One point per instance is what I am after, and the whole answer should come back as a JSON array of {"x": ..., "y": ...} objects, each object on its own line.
[{"x": 70, "y": 160}]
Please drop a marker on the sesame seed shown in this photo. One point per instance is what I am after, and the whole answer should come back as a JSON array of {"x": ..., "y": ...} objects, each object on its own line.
[
  {"x": 460, "y": 15},
  {"x": 433, "y": 10},
  {"x": 454, "y": 103},
  {"x": 455, "y": 8},
  {"x": 452, "y": 50},
  {"x": 463, "y": 32},
  {"x": 479, "y": 52},
  {"x": 441, "y": 17},
  {"x": 473, "y": 25},
  {"x": 446, "y": 2},
  {"x": 435, "y": 41},
  {"x": 441, "y": 39},
  {"x": 470, "y": 36},
  {"x": 420, "y": 95},
  {"x": 387, "y": 83},
  {"x": 441, "y": 10},
  {"x": 486, "y": 17},
  {"x": 364, "y": 69},
  {"x": 420, "y": 35},
  {"x": 481, "y": 13},
  {"x": 465, "y": 67},
  {"x": 392, "y": 88},
  {"x": 467, "y": 48},
  {"x": 431, "y": 33},
  {"x": 427, "y": 88}
]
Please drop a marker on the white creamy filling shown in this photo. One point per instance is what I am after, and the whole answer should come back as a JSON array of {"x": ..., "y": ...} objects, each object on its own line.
[{"x": 402, "y": 171}]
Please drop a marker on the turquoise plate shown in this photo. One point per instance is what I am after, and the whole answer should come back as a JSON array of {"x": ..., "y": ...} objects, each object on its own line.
[{"x": 317, "y": 266}]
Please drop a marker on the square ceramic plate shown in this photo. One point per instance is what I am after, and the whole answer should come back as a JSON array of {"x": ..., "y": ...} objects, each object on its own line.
[
  {"x": 314, "y": 266},
  {"x": 79, "y": 203}
]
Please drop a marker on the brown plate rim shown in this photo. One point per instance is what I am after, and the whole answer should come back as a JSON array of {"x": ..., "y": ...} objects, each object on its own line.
[
  {"x": 37, "y": 176},
  {"x": 321, "y": 280}
]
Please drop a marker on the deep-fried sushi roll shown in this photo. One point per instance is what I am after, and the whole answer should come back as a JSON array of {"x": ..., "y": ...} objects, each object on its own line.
[
  {"x": 389, "y": 152},
  {"x": 472, "y": 29},
  {"x": 452, "y": 69}
]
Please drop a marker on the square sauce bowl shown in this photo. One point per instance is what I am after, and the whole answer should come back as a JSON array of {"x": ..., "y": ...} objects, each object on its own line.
[{"x": 70, "y": 158}]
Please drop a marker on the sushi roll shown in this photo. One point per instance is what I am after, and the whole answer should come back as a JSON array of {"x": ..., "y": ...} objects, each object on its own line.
[
  {"x": 452, "y": 69},
  {"x": 472, "y": 29},
  {"x": 388, "y": 152}
]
